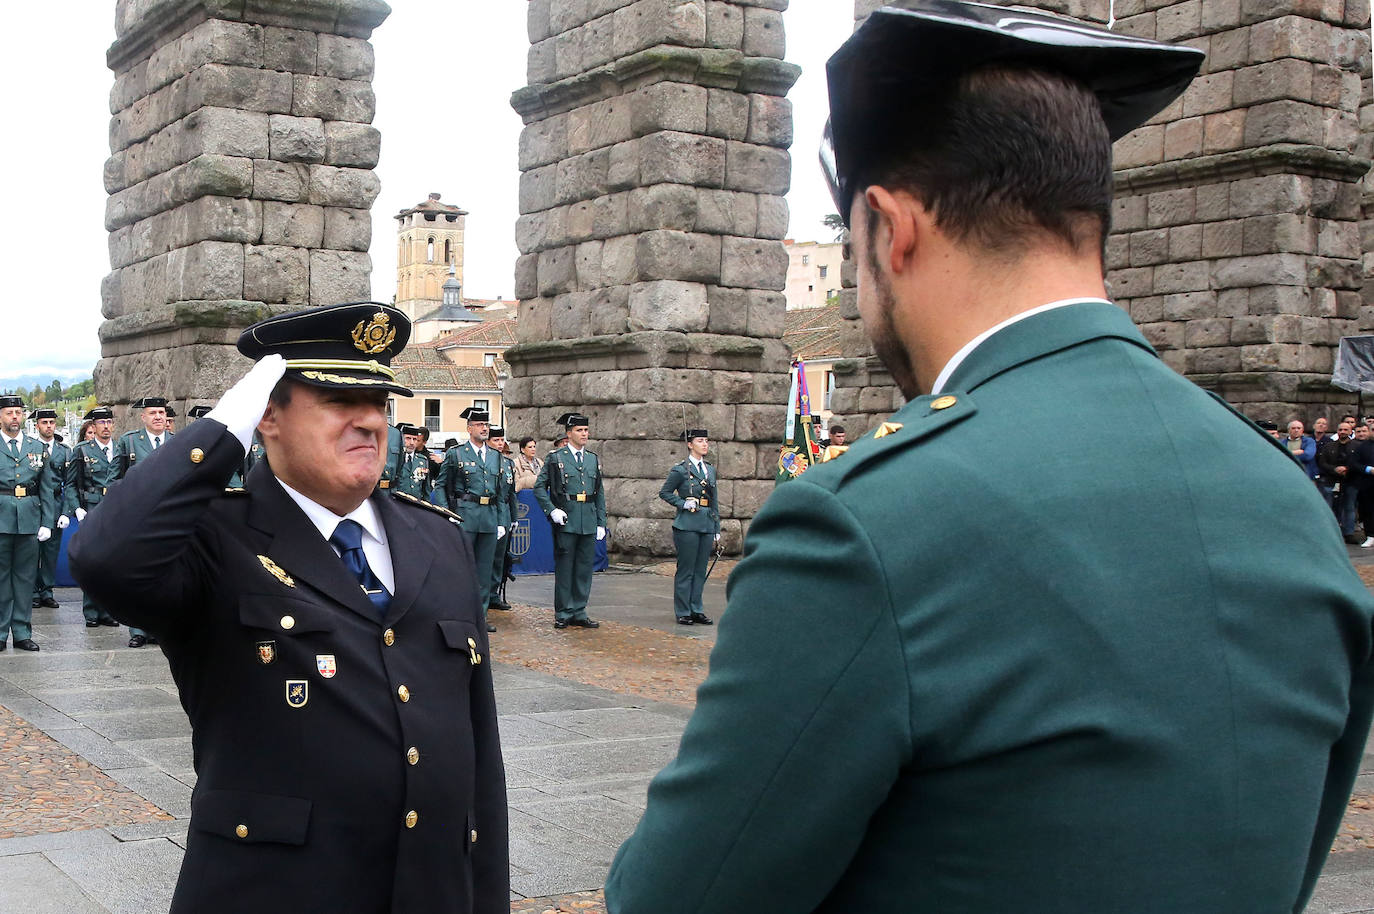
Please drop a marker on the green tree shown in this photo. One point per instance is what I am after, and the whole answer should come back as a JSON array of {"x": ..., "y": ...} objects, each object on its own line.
[
  {"x": 836, "y": 225},
  {"x": 80, "y": 390},
  {"x": 53, "y": 392}
]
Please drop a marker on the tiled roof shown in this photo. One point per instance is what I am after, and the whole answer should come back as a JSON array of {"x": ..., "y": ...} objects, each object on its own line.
[
  {"x": 814, "y": 333},
  {"x": 422, "y": 367},
  {"x": 449, "y": 313},
  {"x": 432, "y": 205},
  {"x": 499, "y": 333}
]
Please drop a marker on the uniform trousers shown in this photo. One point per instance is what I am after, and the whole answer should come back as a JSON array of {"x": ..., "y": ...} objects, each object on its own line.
[
  {"x": 574, "y": 556},
  {"x": 18, "y": 568},
  {"x": 693, "y": 551},
  {"x": 498, "y": 567},
  {"x": 483, "y": 549},
  {"x": 47, "y": 566}
]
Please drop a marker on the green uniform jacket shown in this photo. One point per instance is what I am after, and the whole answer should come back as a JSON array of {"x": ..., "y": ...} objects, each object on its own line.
[
  {"x": 133, "y": 447},
  {"x": 560, "y": 483},
  {"x": 508, "y": 503},
  {"x": 29, "y": 471},
  {"x": 395, "y": 450},
  {"x": 683, "y": 483},
  {"x": 1125, "y": 672},
  {"x": 413, "y": 478},
  {"x": 89, "y": 474},
  {"x": 59, "y": 460},
  {"x": 464, "y": 483}
]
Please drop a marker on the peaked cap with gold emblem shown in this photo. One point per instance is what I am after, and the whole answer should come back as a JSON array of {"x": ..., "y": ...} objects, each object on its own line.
[{"x": 346, "y": 346}]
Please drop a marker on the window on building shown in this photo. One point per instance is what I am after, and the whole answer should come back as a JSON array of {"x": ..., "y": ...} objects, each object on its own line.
[
  {"x": 824, "y": 270},
  {"x": 811, "y": 288},
  {"x": 429, "y": 251},
  {"x": 806, "y": 260},
  {"x": 482, "y": 404},
  {"x": 391, "y": 411},
  {"x": 432, "y": 415},
  {"x": 829, "y": 387},
  {"x": 448, "y": 251},
  {"x": 489, "y": 359}
]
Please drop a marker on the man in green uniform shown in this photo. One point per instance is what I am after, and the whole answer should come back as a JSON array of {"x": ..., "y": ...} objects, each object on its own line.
[
  {"x": 395, "y": 450},
  {"x": 28, "y": 493},
  {"x": 138, "y": 445},
  {"x": 59, "y": 455},
  {"x": 90, "y": 474},
  {"x": 412, "y": 477},
  {"x": 570, "y": 491},
  {"x": 691, "y": 488},
  {"x": 505, "y": 499},
  {"x": 467, "y": 485},
  {"x": 1106, "y": 677}
]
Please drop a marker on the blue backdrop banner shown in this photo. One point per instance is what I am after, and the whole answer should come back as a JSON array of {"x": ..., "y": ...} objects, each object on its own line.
[{"x": 531, "y": 543}]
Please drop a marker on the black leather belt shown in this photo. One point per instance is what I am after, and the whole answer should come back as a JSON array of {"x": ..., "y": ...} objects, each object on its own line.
[
  {"x": 476, "y": 499},
  {"x": 17, "y": 492}
]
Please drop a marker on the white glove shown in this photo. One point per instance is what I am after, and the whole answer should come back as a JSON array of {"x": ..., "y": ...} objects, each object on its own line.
[
  {"x": 500, "y": 532},
  {"x": 689, "y": 504},
  {"x": 717, "y": 539},
  {"x": 80, "y": 515},
  {"x": 63, "y": 522},
  {"x": 44, "y": 534},
  {"x": 242, "y": 406},
  {"x": 558, "y": 516},
  {"x": 600, "y": 534}
]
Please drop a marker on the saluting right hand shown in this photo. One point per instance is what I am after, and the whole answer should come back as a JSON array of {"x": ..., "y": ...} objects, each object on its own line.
[{"x": 242, "y": 406}]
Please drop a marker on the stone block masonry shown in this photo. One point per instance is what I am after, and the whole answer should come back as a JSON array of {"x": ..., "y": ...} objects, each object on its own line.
[
  {"x": 1236, "y": 231},
  {"x": 239, "y": 182},
  {"x": 653, "y": 162}
]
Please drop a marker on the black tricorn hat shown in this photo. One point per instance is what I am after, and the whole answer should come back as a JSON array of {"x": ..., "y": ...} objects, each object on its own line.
[
  {"x": 498, "y": 431},
  {"x": 199, "y": 412},
  {"x": 100, "y": 412},
  {"x": 44, "y": 412},
  {"x": 8, "y": 401},
  {"x": 347, "y": 346},
  {"x": 572, "y": 420},
  {"x": 171, "y": 411},
  {"x": 691, "y": 433},
  {"x": 146, "y": 402},
  {"x": 910, "y": 52},
  {"x": 1267, "y": 424},
  {"x": 405, "y": 428},
  {"x": 473, "y": 414}
]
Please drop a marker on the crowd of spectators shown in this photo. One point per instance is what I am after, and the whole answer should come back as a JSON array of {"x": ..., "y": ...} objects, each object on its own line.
[{"x": 1341, "y": 463}]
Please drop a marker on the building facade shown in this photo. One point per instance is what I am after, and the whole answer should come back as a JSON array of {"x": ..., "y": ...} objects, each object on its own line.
[
  {"x": 813, "y": 273},
  {"x": 429, "y": 249}
]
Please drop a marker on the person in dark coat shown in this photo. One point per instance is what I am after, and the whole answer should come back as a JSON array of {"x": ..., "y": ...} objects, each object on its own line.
[{"x": 325, "y": 638}]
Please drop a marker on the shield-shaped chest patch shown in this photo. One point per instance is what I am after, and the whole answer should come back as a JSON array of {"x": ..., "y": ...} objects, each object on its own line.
[
  {"x": 267, "y": 652},
  {"x": 325, "y": 664},
  {"x": 297, "y": 692}
]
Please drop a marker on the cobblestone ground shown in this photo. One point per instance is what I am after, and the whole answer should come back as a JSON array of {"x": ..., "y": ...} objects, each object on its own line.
[
  {"x": 618, "y": 657},
  {"x": 45, "y": 787},
  {"x": 576, "y": 903}
]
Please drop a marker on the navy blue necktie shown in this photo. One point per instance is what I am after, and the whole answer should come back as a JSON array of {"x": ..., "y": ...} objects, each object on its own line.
[{"x": 348, "y": 539}]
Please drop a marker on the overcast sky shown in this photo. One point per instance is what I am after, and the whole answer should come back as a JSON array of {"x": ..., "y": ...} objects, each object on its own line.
[{"x": 445, "y": 72}]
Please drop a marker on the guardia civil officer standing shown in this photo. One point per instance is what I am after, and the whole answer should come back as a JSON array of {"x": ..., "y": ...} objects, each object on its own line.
[
  {"x": 138, "y": 444},
  {"x": 28, "y": 493},
  {"x": 468, "y": 482},
  {"x": 570, "y": 491},
  {"x": 412, "y": 476},
  {"x": 64, "y": 504},
  {"x": 324, "y": 635},
  {"x": 90, "y": 474},
  {"x": 691, "y": 488},
  {"x": 1127, "y": 676},
  {"x": 509, "y": 505}
]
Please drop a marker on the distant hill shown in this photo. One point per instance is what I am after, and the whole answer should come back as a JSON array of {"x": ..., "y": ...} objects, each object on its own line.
[{"x": 27, "y": 381}]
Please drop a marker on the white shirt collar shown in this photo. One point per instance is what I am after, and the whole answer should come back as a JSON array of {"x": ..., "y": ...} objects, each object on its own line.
[
  {"x": 326, "y": 520},
  {"x": 943, "y": 377},
  {"x": 577, "y": 451},
  {"x": 17, "y": 438}
]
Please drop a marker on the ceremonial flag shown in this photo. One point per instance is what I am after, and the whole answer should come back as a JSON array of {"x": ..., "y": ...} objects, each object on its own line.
[{"x": 799, "y": 447}]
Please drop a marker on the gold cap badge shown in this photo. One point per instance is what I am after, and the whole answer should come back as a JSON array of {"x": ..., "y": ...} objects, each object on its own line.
[{"x": 374, "y": 336}]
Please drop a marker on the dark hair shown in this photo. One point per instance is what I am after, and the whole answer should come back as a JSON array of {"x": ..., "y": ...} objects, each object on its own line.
[
  {"x": 524, "y": 441},
  {"x": 1002, "y": 152},
  {"x": 280, "y": 397},
  {"x": 451, "y": 442},
  {"x": 837, "y": 428},
  {"x": 423, "y": 432}
]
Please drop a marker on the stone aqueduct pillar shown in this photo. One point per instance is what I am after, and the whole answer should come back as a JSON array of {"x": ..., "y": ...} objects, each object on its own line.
[
  {"x": 654, "y": 163},
  {"x": 1236, "y": 229},
  {"x": 239, "y": 179}
]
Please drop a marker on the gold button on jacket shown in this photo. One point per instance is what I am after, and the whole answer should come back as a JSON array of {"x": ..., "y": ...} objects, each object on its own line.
[
  {"x": 388, "y": 637},
  {"x": 288, "y": 622},
  {"x": 411, "y": 818},
  {"x": 241, "y": 831},
  {"x": 403, "y": 693},
  {"x": 413, "y": 755}
]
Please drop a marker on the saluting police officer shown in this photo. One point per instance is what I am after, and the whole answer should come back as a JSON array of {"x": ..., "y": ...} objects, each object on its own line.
[
  {"x": 324, "y": 636},
  {"x": 64, "y": 501},
  {"x": 468, "y": 483},
  {"x": 691, "y": 488},
  {"x": 505, "y": 499},
  {"x": 28, "y": 493},
  {"x": 571, "y": 492},
  {"x": 412, "y": 476},
  {"x": 90, "y": 474}
]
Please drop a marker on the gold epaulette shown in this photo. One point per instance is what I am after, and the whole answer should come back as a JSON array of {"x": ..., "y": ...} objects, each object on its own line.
[{"x": 411, "y": 499}]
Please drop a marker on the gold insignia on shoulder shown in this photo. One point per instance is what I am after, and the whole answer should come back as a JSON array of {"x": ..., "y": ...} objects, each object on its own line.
[
  {"x": 832, "y": 451},
  {"x": 275, "y": 570},
  {"x": 887, "y": 428},
  {"x": 374, "y": 336},
  {"x": 943, "y": 402},
  {"x": 407, "y": 497}
]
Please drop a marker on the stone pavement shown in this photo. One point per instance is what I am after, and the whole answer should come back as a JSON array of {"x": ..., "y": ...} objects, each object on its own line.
[{"x": 102, "y": 721}]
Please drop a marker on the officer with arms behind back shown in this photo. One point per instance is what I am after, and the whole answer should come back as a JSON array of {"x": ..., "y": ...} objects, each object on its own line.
[
  {"x": 570, "y": 491},
  {"x": 91, "y": 472},
  {"x": 64, "y": 503},
  {"x": 324, "y": 635},
  {"x": 1154, "y": 697},
  {"x": 691, "y": 488}
]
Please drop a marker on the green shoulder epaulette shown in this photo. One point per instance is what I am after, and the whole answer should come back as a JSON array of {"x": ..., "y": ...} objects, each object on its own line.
[
  {"x": 920, "y": 419},
  {"x": 412, "y": 500}
]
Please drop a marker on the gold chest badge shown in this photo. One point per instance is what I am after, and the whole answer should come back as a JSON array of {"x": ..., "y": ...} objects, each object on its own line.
[{"x": 374, "y": 336}]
